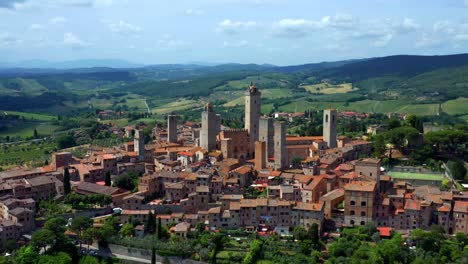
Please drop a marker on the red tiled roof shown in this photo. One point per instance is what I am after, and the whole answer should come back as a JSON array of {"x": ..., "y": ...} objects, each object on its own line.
[{"x": 385, "y": 231}]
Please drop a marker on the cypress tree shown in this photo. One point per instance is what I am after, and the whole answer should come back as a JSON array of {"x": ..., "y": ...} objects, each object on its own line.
[
  {"x": 159, "y": 229},
  {"x": 150, "y": 224},
  {"x": 153, "y": 256},
  {"x": 108, "y": 178},
  {"x": 66, "y": 181}
]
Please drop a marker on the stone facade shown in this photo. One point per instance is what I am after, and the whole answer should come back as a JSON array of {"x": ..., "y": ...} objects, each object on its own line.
[
  {"x": 280, "y": 145},
  {"x": 172, "y": 128},
  {"x": 330, "y": 121},
  {"x": 252, "y": 114}
]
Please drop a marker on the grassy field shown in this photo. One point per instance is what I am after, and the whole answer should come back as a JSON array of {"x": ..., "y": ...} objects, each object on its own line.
[
  {"x": 416, "y": 176},
  {"x": 37, "y": 152},
  {"x": 34, "y": 116},
  {"x": 260, "y": 81},
  {"x": 26, "y": 129},
  {"x": 327, "y": 88},
  {"x": 458, "y": 106},
  {"x": 176, "y": 105}
]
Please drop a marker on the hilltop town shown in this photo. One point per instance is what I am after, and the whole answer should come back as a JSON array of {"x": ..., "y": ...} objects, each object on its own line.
[{"x": 259, "y": 179}]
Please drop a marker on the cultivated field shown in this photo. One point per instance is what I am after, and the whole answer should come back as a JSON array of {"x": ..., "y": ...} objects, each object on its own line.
[
  {"x": 327, "y": 88},
  {"x": 416, "y": 176}
]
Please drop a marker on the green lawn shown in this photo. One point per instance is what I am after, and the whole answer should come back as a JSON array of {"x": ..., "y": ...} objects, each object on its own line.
[
  {"x": 458, "y": 106},
  {"x": 416, "y": 176},
  {"x": 35, "y": 116},
  {"x": 26, "y": 129}
]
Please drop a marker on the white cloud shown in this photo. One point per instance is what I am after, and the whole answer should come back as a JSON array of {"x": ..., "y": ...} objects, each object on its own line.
[
  {"x": 73, "y": 40},
  {"x": 7, "y": 39},
  {"x": 168, "y": 42},
  {"x": 407, "y": 25},
  {"x": 237, "y": 44},
  {"x": 57, "y": 20},
  {"x": 233, "y": 27},
  {"x": 382, "y": 41},
  {"x": 36, "y": 27},
  {"x": 428, "y": 41},
  {"x": 125, "y": 28},
  {"x": 296, "y": 28},
  {"x": 194, "y": 12}
]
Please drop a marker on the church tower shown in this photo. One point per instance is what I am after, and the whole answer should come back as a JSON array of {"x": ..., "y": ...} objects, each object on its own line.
[
  {"x": 211, "y": 123},
  {"x": 330, "y": 120},
  {"x": 252, "y": 114}
]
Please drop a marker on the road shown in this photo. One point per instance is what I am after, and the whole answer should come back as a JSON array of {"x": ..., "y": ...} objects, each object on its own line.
[{"x": 119, "y": 256}]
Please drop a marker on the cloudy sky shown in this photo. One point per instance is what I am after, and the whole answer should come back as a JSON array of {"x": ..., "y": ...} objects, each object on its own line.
[{"x": 260, "y": 31}]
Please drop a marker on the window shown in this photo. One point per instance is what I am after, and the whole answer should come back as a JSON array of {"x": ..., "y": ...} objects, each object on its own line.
[
  {"x": 352, "y": 203},
  {"x": 363, "y": 223},
  {"x": 363, "y": 213},
  {"x": 326, "y": 118},
  {"x": 351, "y": 222},
  {"x": 363, "y": 203},
  {"x": 352, "y": 212}
]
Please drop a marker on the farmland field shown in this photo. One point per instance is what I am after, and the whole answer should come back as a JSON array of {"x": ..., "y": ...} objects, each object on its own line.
[
  {"x": 458, "y": 106},
  {"x": 326, "y": 88},
  {"x": 416, "y": 176}
]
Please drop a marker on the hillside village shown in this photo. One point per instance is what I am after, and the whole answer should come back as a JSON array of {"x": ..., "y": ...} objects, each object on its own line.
[{"x": 206, "y": 173}]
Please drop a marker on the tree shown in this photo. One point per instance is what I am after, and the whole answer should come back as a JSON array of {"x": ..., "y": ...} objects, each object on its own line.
[
  {"x": 126, "y": 181},
  {"x": 458, "y": 170},
  {"x": 26, "y": 255},
  {"x": 35, "y": 135},
  {"x": 66, "y": 181},
  {"x": 59, "y": 258},
  {"x": 89, "y": 260},
  {"x": 108, "y": 178},
  {"x": 314, "y": 236},
  {"x": 79, "y": 225},
  {"x": 10, "y": 245},
  {"x": 150, "y": 225},
  {"x": 300, "y": 233},
  {"x": 126, "y": 230},
  {"x": 159, "y": 232},
  {"x": 66, "y": 141},
  {"x": 153, "y": 255},
  {"x": 42, "y": 238}
]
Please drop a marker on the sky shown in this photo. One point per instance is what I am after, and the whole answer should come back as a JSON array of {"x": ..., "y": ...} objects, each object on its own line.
[{"x": 281, "y": 32}]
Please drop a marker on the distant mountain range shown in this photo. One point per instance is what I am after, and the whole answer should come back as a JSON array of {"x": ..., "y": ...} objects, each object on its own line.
[{"x": 72, "y": 64}]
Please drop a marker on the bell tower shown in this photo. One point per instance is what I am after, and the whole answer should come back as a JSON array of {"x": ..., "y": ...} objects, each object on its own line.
[{"x": 252, "y": 114}]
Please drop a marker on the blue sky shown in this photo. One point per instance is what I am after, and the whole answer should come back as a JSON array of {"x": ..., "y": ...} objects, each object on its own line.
[{"x": 281, "y": 32}]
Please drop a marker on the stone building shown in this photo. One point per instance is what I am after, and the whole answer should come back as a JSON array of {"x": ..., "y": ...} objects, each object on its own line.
[
  {"x": 172, "y": 128},
  {"x": 330, "y": 122},
  {"x": 252, "y": 114},
  {"x": 359, "y": 202},
  {"x": 235, "y": 144},
  {"x": 280, "y": 145},
  {"x": 267, "y": 134},
  {"x": 210, "y": 128},
  {"x": 139, "y": 144}
]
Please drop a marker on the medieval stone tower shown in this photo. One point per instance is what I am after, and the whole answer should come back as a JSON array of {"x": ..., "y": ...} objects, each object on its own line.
[
  {"x": 330, "y": 120},
  {"x": 210, "y": 128},
  {"x": 172, "y": 128},
  {"x": 252, "y": 114},
  {"x": 266, "y": 134},
  {"x": 139, "y": 144},
  {"x": 280, "y": 145}
]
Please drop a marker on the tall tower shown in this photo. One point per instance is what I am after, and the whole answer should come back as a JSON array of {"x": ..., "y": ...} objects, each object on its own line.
[
  {"x": 266, "y": 134},
  {"x": 172, "y": 128},
  {"x": 210, "y": 128},
  {"x": 252, "y": 114},
  {"x": 280, "y": 145},
  {"x": 330, "y": 120},
  {"x": 139, "y": 144}
]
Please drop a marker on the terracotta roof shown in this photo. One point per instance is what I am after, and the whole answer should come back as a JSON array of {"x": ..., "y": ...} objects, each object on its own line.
[
  {"x": 461, "y": 207},
  {"x": 412, "y": 205},
  {"x": 385, "y": 231},
  {"x": 361, "y": 186},
  {"x": 243, "y": 169},
  {"x": 309, "y": 206},
  {"x": 310, "y": 138},
  {"x": 337, "y": 193}
]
